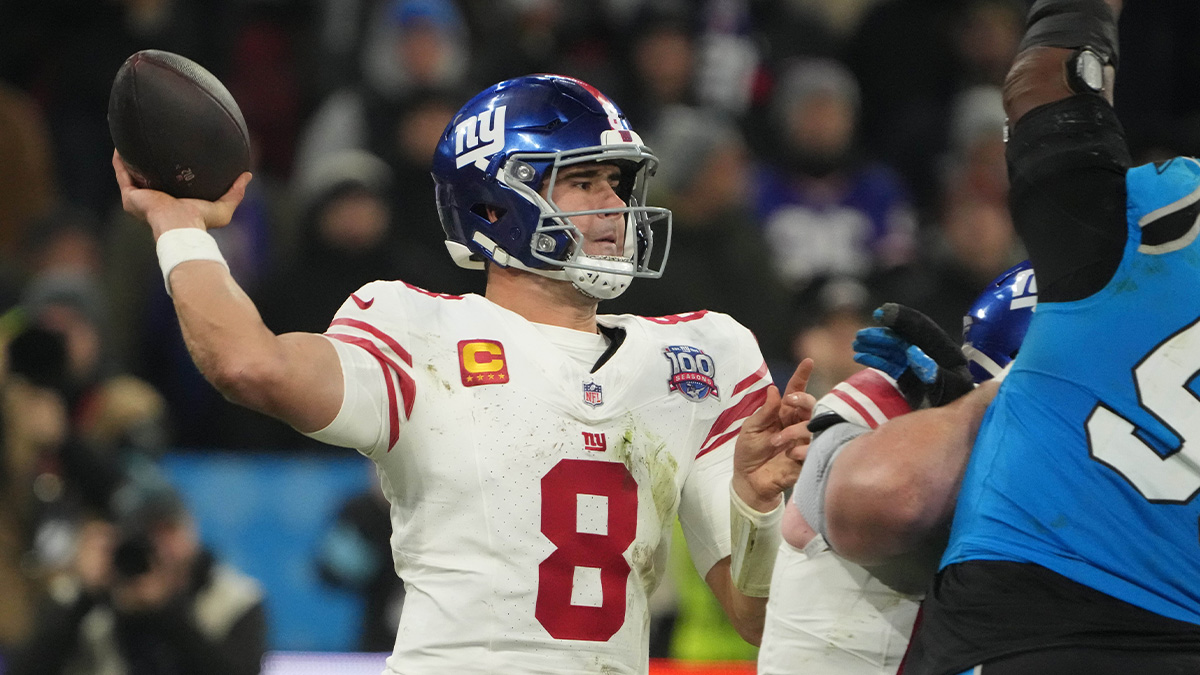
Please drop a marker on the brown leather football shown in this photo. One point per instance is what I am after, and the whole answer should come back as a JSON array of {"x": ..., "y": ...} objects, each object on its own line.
[{"x": 176, "y": 126}]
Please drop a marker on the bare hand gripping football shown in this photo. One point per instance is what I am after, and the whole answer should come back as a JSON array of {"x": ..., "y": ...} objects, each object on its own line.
[{"x": 176, "y": 127}]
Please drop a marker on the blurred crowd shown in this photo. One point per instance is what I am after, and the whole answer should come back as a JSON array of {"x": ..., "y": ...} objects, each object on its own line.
[{"x": 820, "y": 156}]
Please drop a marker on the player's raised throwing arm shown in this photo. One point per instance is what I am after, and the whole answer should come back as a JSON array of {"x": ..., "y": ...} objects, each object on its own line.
[{"x": 294, "y": 377}]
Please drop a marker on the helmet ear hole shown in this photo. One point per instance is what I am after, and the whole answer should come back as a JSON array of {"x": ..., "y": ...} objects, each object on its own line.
[{"x": 488, "y": 212}]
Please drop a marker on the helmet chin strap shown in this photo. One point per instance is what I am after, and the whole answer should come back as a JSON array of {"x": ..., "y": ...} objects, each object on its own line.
[
  {"x": 591, "y": 283},
  {"x": 602, "y": 285},
  {"x": 599, "y": 284}
]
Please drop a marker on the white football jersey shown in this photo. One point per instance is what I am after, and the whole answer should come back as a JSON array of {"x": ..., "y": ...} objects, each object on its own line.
[
  {"x": 829, "y": 616},
  {"x": 532, "y": 500}
]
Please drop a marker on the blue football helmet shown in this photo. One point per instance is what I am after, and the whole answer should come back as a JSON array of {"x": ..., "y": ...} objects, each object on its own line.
[
  {"x": 507, "y": 144},
  {"x": 995, "y": 326}
]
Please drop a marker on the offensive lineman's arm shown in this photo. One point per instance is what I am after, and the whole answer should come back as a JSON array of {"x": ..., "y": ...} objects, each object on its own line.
[
  {"x": 294, "y": 377},
  {"x": 893, "y": 490}
]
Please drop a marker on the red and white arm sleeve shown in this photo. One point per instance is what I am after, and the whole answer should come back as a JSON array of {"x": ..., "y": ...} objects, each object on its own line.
[{"x": 867, "y": 398}]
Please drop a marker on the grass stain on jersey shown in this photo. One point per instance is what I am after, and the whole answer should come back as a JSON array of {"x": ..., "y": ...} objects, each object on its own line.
[
  {"x": 433, "y": 372},
  {"x": 604, "y": 668},
  {"x": 652, "y": 466}
]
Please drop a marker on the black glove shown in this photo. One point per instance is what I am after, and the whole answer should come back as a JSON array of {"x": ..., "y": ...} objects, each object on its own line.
[{"x": 928, "y": 364}]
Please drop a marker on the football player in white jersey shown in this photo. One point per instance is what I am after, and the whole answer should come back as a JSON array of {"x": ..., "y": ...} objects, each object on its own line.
[
  {"x": 829, "y": 615},
  {"x": 535, "y": 453}
]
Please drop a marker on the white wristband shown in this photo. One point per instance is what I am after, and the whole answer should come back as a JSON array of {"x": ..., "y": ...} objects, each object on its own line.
[
  {"x": 182, "y": 245},
  {"x": 755, "y": 543}
]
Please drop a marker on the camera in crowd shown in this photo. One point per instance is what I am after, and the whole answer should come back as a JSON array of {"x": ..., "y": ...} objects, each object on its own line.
[{"x": 140, "y": 511}]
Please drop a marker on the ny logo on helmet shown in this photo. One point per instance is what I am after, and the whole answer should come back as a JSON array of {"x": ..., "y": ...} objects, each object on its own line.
[
  {"x": 1024, "y": 290},
  {"x": 479, "y": 137}
]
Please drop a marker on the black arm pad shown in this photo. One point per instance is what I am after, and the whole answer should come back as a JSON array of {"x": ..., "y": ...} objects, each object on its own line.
[{"x": 1066, "y": 165}]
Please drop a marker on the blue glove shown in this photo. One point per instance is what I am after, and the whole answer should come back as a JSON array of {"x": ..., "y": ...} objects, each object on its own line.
[
  {"x": 925, "y": 361},
  {"x": 883, "y": 349}
]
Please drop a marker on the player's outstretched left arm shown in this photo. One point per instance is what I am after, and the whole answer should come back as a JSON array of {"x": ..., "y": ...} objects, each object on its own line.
[
  {"x": 768, "y": 454},
  {"x": 295, "y": 377},
  {"x": 893, "y": 490}
]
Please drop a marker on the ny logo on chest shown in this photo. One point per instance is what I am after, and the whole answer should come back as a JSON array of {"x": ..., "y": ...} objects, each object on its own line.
[{"x": 597, "y": 442}]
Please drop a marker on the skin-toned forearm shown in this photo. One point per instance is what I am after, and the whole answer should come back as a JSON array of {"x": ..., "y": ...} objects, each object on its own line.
[
  {"x": 278, "y": 375},
  {"x": 746, "y": 614},
  {"x": 1038, "y": 76},
  {"x": 295, "y": 378},
  {"x": 894, "y": 489},
  {"x": 215, "y": 314},
  {"x": 768, "y": 454}
]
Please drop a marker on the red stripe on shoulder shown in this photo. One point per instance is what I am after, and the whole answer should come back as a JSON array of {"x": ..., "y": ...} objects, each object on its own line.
[
  {"x": 717, "y": 442},
  {"x": 672, "y": 319},
  {"x": 858, "y": 408},
  {"x": 383, "y": 337},
  {"x": 751, "y": 379},
  {"x": 408, "y": 387},
  {"x": 742, "y": 410}
]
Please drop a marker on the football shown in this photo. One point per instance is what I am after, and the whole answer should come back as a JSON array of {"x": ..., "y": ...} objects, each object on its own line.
[{"x": 176, "y": 126}]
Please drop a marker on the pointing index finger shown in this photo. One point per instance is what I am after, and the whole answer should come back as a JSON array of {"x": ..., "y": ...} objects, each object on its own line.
[
  {"x": 799, "y": 380},
  {"x": 797, "y": 404}
]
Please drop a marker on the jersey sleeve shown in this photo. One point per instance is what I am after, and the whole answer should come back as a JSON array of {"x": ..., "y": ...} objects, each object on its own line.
[
  {"x": 856, "y": 405},
  {"x": 361, "y": 422},
  {"x": 867, "y": 398},
  {"x": 704, "y": 508},
  {"x": 376, "y": 368},
  {"x": 704, "y": 504}
]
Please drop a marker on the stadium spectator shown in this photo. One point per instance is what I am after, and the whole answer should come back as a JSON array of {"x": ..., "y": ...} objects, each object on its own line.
[
  {"x": 825, "y": 211},
  {"x": 144, "y": 596}
]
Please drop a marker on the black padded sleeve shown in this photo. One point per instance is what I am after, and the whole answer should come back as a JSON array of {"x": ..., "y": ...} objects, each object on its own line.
[{"x": 1066, "y": 165}]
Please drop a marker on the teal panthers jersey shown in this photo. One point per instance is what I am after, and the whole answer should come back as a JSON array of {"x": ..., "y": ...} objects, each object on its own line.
[{"x": 1088, "y": 461}]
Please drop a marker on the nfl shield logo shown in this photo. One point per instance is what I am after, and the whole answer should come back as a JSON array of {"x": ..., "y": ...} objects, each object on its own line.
[{"x": 593, "y": 394}]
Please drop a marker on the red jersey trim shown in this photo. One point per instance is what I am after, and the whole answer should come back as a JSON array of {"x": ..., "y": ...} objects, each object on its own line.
[
  {"x": 383, "y": 337},
  {"x": 862, "y": 412},
  {"x": 432, "y": 294},
  {"x": 869, "y": 385},
  {"x": 721, "y": 427},
  {"x": 751, "y": 379},
  {"x": 881, "y": 391},
  {"x": 408, "y": 387}
]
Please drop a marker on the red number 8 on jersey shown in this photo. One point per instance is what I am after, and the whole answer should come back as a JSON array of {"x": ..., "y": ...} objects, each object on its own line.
[{"x": 561, "y": 487}]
